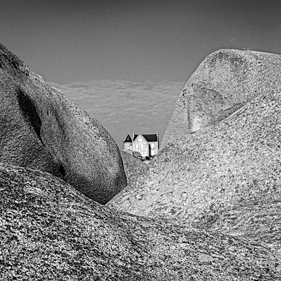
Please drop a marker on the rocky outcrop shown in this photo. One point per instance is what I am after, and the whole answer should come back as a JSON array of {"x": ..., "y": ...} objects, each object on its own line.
[
  {"x": 134, "y": 167},
  {"x": 40, "y": 128},
  {"x": 224, "y": 177},
  {"x": 224, "y": 82},
  {"x": 209, "y": 201},
  {"x": 50, "y": 230}
]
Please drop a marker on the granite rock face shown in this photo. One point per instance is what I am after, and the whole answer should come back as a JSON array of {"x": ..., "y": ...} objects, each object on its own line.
[
  {"x": 224, "y": 82},
  {"x": 134, "y": 168},
  {"x": 217, "y": 167},
  {"x": 258, "y": 220},
  {"x": 40, "y": 128},
  {"x": 224, "y": 177},
  {"x": 51, "y": 231}
]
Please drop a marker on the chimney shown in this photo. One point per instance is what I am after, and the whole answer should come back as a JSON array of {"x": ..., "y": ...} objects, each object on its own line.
[{"x": 158, "y": 138}]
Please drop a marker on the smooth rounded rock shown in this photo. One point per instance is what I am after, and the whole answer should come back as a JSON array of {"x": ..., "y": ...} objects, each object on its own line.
[
  {"x": 40, "y": 128},
  {"x": 225, "y": 81}
]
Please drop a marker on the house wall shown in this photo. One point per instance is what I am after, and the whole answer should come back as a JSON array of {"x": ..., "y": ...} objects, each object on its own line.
[
  {"x": 127, "y": 145},
  {"x": 141, "y": 145},
  {"x": 153, "y": 148}
]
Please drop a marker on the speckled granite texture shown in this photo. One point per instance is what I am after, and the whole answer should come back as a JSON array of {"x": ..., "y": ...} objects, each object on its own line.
[
  {"x": 134, "y": 168},
  {"x": 225, "y": 177},
  {"x": 224, "y": 82},
  {"x": 40, "y": 128},
  {"x": 50, "y": 231},
  {"x": 206, "y": 208},
  {"x": 217, "y": 167}
]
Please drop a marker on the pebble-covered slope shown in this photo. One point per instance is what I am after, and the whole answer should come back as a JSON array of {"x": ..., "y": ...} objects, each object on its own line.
[
  {"x": 51, "y": 231},
  {"x": 216, "y": 169},
  {"x": 224, "y": 82},
  {"x": 40, "y": 128}
]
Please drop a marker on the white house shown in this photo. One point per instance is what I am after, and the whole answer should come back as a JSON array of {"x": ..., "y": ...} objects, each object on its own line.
[{"x": 146, "y": 144}]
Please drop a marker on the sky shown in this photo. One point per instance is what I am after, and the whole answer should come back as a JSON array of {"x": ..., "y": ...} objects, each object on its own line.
[{"x": 125, "y": 62}]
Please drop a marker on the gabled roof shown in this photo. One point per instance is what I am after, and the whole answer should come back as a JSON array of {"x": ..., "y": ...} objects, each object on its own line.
[
  {"x": 149, "y": 137},
  {"x": 128, "y": 139}
]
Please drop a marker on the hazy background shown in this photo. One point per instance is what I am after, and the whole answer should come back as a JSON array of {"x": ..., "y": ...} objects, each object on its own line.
[{"x": 126, "y": 62}]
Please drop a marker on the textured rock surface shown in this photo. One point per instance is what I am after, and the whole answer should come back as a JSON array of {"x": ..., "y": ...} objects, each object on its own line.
[
  {"x": 224, "y": 82},
  {"x": 206, "y": 176},
  {"x": 51, "y": 231},
  {"x": 134, "y": 168},
  {"x": 258, "y": 220},
  {"x": 40, "y": 128}
]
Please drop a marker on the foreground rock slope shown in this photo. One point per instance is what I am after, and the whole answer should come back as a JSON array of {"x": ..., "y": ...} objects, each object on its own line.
[
  {"x": 50, "y": 230},
  {"x": 40, "y": 128},
  {"x": 224, "y": 177}
]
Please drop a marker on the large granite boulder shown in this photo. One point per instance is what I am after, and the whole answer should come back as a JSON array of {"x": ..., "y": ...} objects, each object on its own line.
[
  {"x": 212, "y": 178},
  {"x": 50, "y": 231},
  {"x": 224, "y": 82},
  {"x": 40, "y": 128}
]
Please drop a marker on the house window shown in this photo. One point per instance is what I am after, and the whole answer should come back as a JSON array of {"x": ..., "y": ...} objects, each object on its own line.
[
  {"x": 152, "y": 145},
  {"x": 141, "y": 146},
  {"x": 139, "y": 139},
  {"x": 137, "y": 146}
]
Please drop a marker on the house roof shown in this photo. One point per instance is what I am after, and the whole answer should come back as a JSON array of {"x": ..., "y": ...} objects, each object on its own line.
[
  {"x": 148, "y": 137},
  {"x": 128, "y": 139}
]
